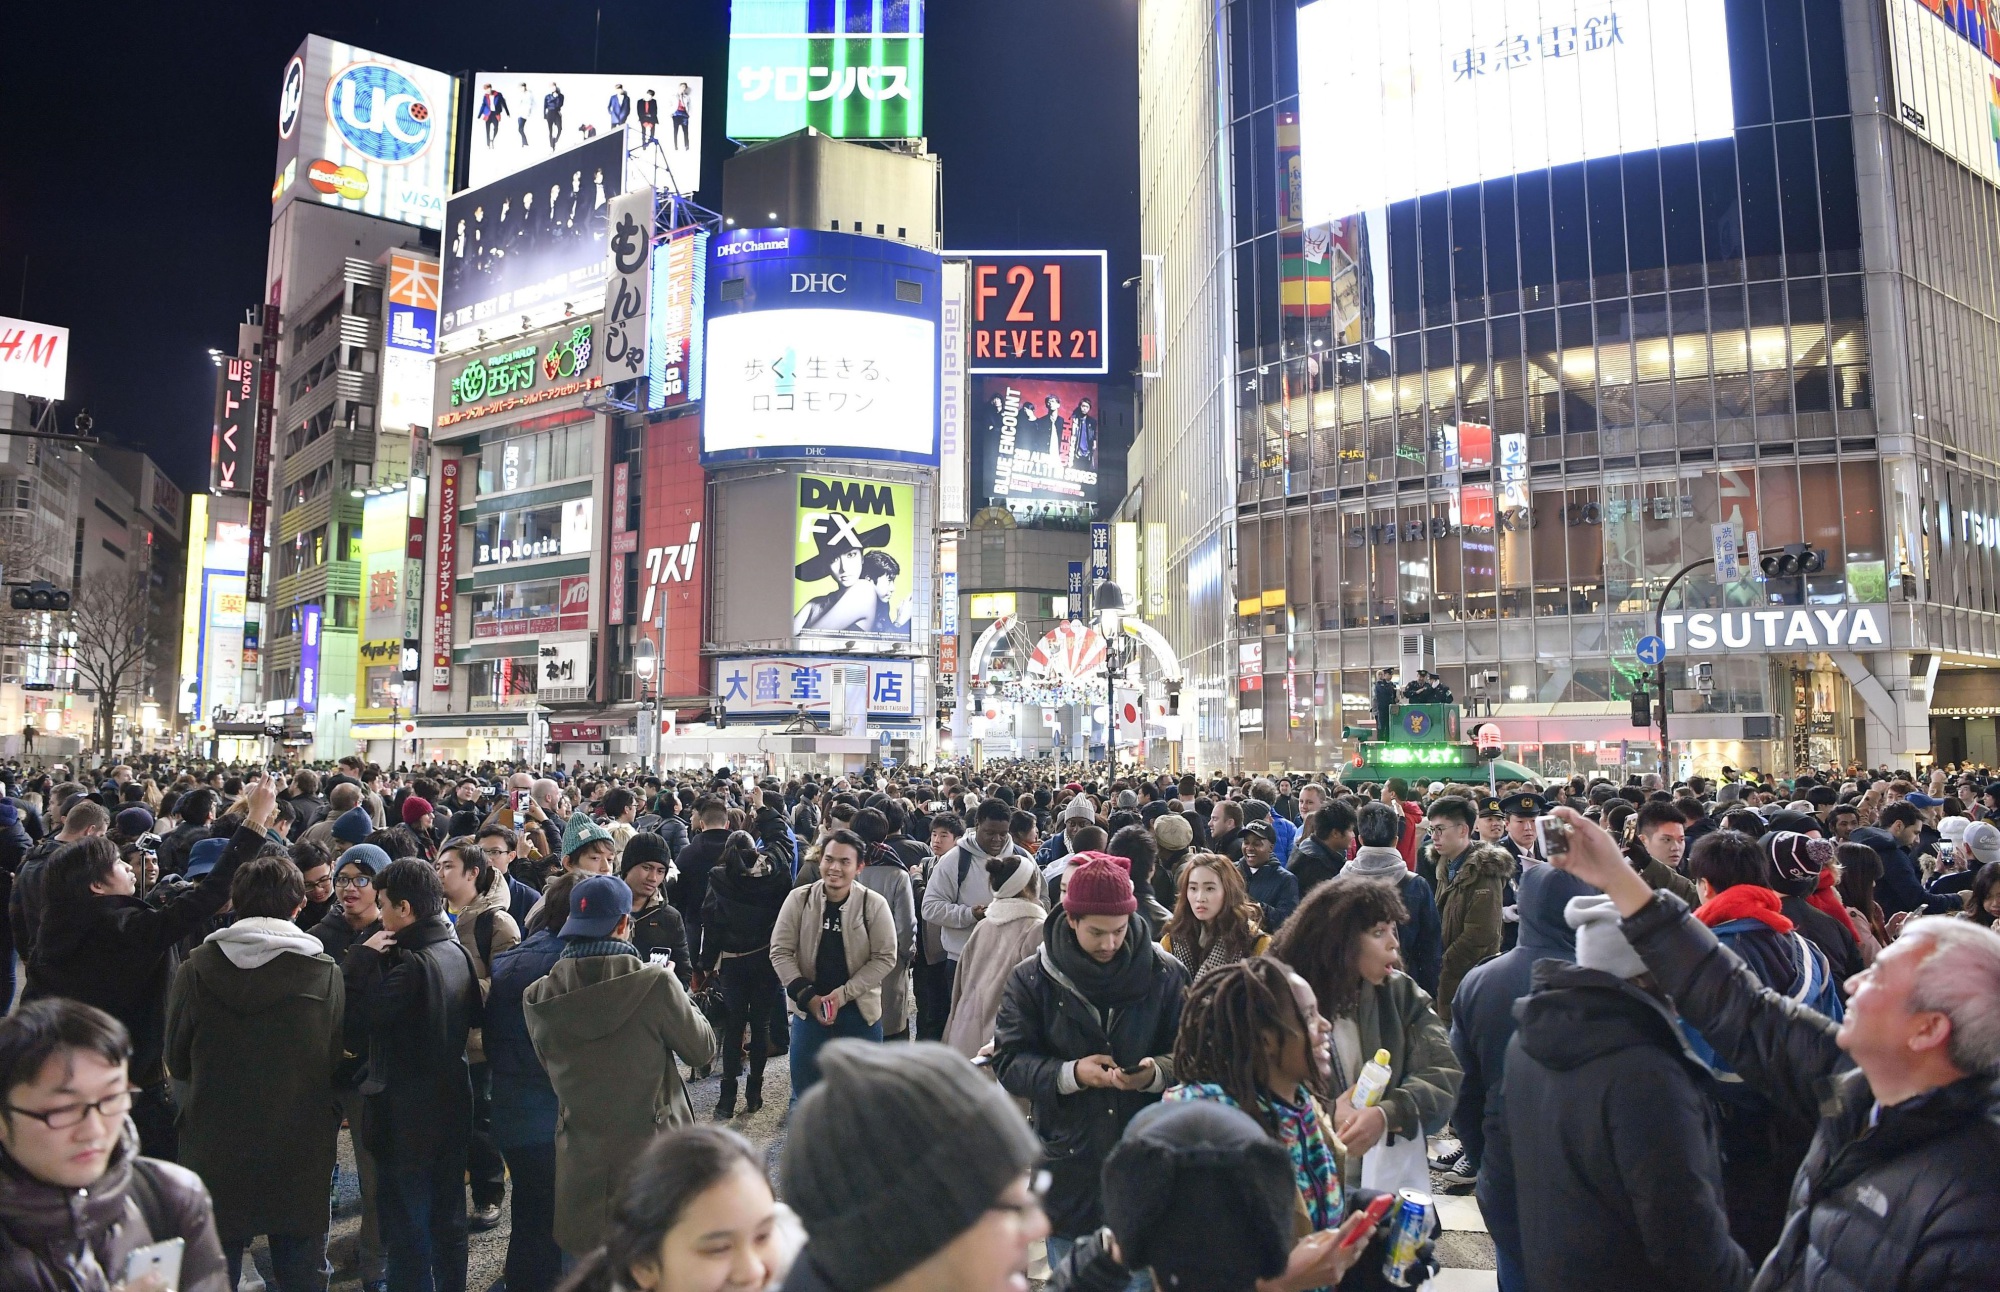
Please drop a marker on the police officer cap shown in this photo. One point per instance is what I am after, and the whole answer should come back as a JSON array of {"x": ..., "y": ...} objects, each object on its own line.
[
  {"x": 1490, "y": 806},
  {"x": 1525, "y": 803}
]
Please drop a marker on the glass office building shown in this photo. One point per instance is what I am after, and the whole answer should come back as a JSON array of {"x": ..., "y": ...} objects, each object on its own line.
[{"x": 1541, "y": 299}]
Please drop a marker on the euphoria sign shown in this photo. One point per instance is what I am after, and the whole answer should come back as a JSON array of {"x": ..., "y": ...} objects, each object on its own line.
[{"x": 1038, "y": 312}]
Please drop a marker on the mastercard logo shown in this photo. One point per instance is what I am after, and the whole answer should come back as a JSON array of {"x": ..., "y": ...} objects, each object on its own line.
[{"x": 342, "y": 181}]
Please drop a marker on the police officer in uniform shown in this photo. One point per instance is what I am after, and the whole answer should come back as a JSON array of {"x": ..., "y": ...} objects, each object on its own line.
[
  {"x": 1520, "y": 809},
  {"x": 1382, "y": 698}
]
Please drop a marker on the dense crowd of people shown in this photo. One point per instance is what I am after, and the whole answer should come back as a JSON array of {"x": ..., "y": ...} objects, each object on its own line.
[{"x": 1210, "y": 1034}]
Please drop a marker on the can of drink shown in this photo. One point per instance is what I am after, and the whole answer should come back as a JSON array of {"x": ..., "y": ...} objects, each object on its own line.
[{"x": 1408, "y": 1230}]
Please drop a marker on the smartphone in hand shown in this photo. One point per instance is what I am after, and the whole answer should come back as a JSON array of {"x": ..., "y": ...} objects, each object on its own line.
[{"x": 162, "y": 1258}]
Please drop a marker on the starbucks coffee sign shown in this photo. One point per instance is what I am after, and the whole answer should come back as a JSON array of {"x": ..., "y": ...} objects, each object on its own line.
[{"x": 1776, "y": 629}]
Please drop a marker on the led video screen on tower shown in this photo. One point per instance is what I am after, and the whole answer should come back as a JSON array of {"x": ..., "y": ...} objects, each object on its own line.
[{"x": 1399, "y": 100}]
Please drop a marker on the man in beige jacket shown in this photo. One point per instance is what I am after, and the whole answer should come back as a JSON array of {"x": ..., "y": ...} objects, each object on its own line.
[{"x": 833, "y": 945}]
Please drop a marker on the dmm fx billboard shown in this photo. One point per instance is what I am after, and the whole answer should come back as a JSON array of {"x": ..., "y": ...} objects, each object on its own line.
[
  {"x": 531, "y": 245},
  {"x": 853, "y": 71},
  {"x": 821, "y": 345},
  {"x": 1039, "y": 311},
  {"x": 751, "y": 685},
  {"x": 560, "y": 363},
  {"x": 364, "y": 133},
  {"x": 855, "y": 576},
  {"x": 1778, "y": 629},
  {"x": 233, "y": 450}
]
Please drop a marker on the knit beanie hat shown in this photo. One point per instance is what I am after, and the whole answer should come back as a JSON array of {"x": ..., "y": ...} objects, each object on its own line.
[
  {"x": 1198, "y": 1193},
  {"x": 132, "y": 822},
  {"x": 582, "y": 830},
  {"x": 464, "y": 822},
  {"x": 645, "y": 848},
  {"x": 365, "y": 855},
  {"x": 1793, "y": 870},
  {"x": 1600, "y": 943},
  {"x": 895, "y": 1152},
  {"x": 354, "y": 826},
  {"x": 1098, "y": 883},
  {"x": 1079, "y": 809},
  {"x": 415, "y": 809}
]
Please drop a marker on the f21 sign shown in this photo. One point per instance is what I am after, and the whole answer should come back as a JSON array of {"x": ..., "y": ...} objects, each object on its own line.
[{"x": 1038, "y": 312}]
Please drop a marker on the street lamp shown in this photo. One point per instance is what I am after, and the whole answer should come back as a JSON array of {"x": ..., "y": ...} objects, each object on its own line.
[
  {"x": 1110, "y": 602},
  {"x": 645, "y": 662}
]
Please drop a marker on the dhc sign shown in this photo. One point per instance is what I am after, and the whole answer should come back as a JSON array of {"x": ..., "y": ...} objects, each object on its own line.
[{"x": 1779, "y": 628}]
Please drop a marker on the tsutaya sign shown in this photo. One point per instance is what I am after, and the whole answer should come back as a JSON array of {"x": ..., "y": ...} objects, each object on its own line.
[{"x": 1779, "y": 628}]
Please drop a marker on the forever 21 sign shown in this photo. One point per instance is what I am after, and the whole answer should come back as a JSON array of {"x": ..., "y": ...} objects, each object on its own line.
[{"x": 1038, "y": 312}]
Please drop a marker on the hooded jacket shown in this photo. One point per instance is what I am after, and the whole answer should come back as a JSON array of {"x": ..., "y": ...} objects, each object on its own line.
[
  {"x": 1470, "y": 900},
  {"x": 117, "y": 953},
  {"x": 1611, "y": 1136},
  {"x": 1048, "y": 1020},
  {"x": 254, "y": 1029},
  {"x": 1903, "y": 1196},
  {"x": 948, "y": 899},
  {"x": 1901, "y": 887},
  {"x": 741, "y": 909},
  {"x": 1421, "y": 940},
  {"x": 608, "y": 1029},
  {"x": 410, "y": 1010},
  {"x": 1312, "y": 865},
  {"x": 1010, "y": 933},
  {"x": 43, "y": 1228}
]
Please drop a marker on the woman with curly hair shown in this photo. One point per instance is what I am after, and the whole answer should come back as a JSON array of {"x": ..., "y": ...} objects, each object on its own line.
[
  {"x": 1342, "y": 940},
  {"x": 1214, "y": 922}
]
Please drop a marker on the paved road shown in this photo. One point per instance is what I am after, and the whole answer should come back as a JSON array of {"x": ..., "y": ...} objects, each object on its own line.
[{"x": 1465, "y": 1249}]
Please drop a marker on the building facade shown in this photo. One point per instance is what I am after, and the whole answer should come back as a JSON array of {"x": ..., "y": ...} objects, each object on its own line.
[{"x": 1482, "y": 426}]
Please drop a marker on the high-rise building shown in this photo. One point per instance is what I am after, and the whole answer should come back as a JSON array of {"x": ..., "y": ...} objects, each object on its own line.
[{"x": 1498, "y": 323}]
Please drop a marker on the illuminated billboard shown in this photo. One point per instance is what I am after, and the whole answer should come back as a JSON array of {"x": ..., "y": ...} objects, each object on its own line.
[
  {"x": 1396, "y": 101},
  {"x": 855, "y": 570},
  {"x": 674, "y": 349},
  {"x": 1946, "y": 76},
  {"x": 1038, "y": 442},
  {"x": 379, "y": 646},
  {"x": 410, "y": 340},
  {"x": 231, "y": 452},
  {"x": 364, "y": 133},
  {"x": 521, "y": 118},
  {"x": 541, "y": 368},
  {"x": 532, "y": 245},
  {"x": 1038, "y": 311},
  {"x": 852, "y": 71},
  {"x": 821, "y": 345},
  {"x": 34, "y": 358}
]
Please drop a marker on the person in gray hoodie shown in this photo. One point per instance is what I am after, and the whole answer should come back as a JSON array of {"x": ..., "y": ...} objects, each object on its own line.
[
  {"x": 1379, "y": 827},
  {"x": 955, "y": 898}
]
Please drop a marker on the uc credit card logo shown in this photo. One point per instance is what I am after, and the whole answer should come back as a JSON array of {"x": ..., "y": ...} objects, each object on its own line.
[{"x": 380, "y": 112}]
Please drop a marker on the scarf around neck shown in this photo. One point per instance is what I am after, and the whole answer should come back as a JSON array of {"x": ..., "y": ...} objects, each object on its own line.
[
  {"x": 1314, "y": 1168},
  {"x": 1825, "y": 898},
  {"x": 1124, "y": 982},
  {"x": 1745, "y": 902},
  {"x": 577, "y": 948}
]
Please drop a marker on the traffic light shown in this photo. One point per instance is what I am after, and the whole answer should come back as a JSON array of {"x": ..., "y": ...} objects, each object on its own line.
[
  {"x": 1642, "y": 707},
  {"x": 1792, "y": 560},
  {"x": 39, "y": 595}
]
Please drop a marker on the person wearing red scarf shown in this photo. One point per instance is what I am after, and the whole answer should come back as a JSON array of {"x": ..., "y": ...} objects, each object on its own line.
[{"x": 1796, "y": 862}]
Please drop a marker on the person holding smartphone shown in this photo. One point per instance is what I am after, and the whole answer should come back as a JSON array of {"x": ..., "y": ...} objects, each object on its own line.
[
  {"x": 833, "y": 945},
  {"x": 72, "y": 1181}
]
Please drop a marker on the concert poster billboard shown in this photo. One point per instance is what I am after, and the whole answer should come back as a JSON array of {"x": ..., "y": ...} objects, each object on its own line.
[{"x": 1038, "y": 441}]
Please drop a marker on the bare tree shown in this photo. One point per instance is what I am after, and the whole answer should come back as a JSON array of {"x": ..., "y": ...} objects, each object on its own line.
[{"x": 110, "y": 620}]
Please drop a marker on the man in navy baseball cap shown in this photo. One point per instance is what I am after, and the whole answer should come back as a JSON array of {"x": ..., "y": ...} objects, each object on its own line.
[{"x": 596, "y": 907}]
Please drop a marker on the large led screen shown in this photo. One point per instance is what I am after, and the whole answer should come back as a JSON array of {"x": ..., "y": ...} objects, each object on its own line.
[
  {"x": 1399, "y": 100},
  {"x": 364, "y": 132}
]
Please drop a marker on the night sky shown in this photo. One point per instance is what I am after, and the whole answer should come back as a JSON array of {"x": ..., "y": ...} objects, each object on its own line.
[{"x": 135, "y": 190}]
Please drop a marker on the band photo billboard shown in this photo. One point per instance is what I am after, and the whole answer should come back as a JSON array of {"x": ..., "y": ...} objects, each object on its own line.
[
  {"x": 364, "y": 132},
  {"x": 532, "y": 239},
  {"x": 522, "y": 118},
  {"x": 854, "y": 548},
  {"x": 1039, "y": 312},
  {"x": 1038, "y": 441}
]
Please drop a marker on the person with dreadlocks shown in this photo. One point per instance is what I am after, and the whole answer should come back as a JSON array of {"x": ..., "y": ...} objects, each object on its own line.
[{"x": 1342, "y": 940}]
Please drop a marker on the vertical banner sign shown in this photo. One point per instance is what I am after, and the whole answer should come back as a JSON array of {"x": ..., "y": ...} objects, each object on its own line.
[
  {"x": 1076, "y": 591},
  {"x": 260, "y": 463},
  {"x": 624, "y": 542},
  {"x": 1727, "y": 568},
  {"x": 674, "y": 350},
  {"x": 309, "y": 624},
  {"x": 948, "y": 617},
  {"x": 952, "y": 428},
  {"x": 413, "y": 588},
  {"x": 235, "y": 426},
  {"x": 1100, "y": 552},
  {"x": 629, "y": 285},
  {"x": 446, "y": 578}
]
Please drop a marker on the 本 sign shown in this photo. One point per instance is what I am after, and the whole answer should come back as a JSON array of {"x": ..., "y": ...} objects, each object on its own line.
[{"x": 1038, "y": 312}]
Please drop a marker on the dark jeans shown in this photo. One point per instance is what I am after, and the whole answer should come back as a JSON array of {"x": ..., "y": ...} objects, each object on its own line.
[
  {"x": 750, "y": 992},
  {"x": 423, "y": 1225},
  {"x": 808, "y": 1035},
  {"x": 298, "y": 1261},
  {"x": 534, "y": 1262},
  {"x": 488, "y": 1168},
  {"x": 933, "y": 991}
]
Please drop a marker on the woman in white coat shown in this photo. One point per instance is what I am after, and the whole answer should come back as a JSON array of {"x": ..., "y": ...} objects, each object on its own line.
[{"x": 1009, "y": 932}]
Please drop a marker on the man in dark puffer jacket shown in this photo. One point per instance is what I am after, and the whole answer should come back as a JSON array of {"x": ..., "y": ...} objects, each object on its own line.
[{"x": 1898, "y": 1188}]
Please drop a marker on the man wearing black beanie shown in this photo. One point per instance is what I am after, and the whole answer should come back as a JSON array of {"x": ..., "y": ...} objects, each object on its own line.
[
  {"x": 910, "y": 1171},
  {"x": 656, "y": 925}
]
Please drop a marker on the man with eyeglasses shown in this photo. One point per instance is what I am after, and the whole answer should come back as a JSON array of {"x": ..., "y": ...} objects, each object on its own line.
[
  {"x": 315, "y": 865},
  {"x": 352, "y": 921},
  {"x": 73, "y": 1187},
  {"x": 500, "y": 846}
]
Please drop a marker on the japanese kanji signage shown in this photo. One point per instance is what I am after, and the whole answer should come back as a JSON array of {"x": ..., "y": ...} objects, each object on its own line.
[
  {"x": 564, "y": 667},
  {"x": 560, "y": 363},
  {"x": 628, "y": 289},
  {"x": 781, "y": 686},
  {"x": 821, "y": 345},
  {"x": 1039, "y": 311},
  {"x": 674, "y": 350},
  {"x": 855, "y": 574},
  {"x": 853, "y": 71},
  {"x": 444, "y": 575},
  {"x": 385, "y": 546}
]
